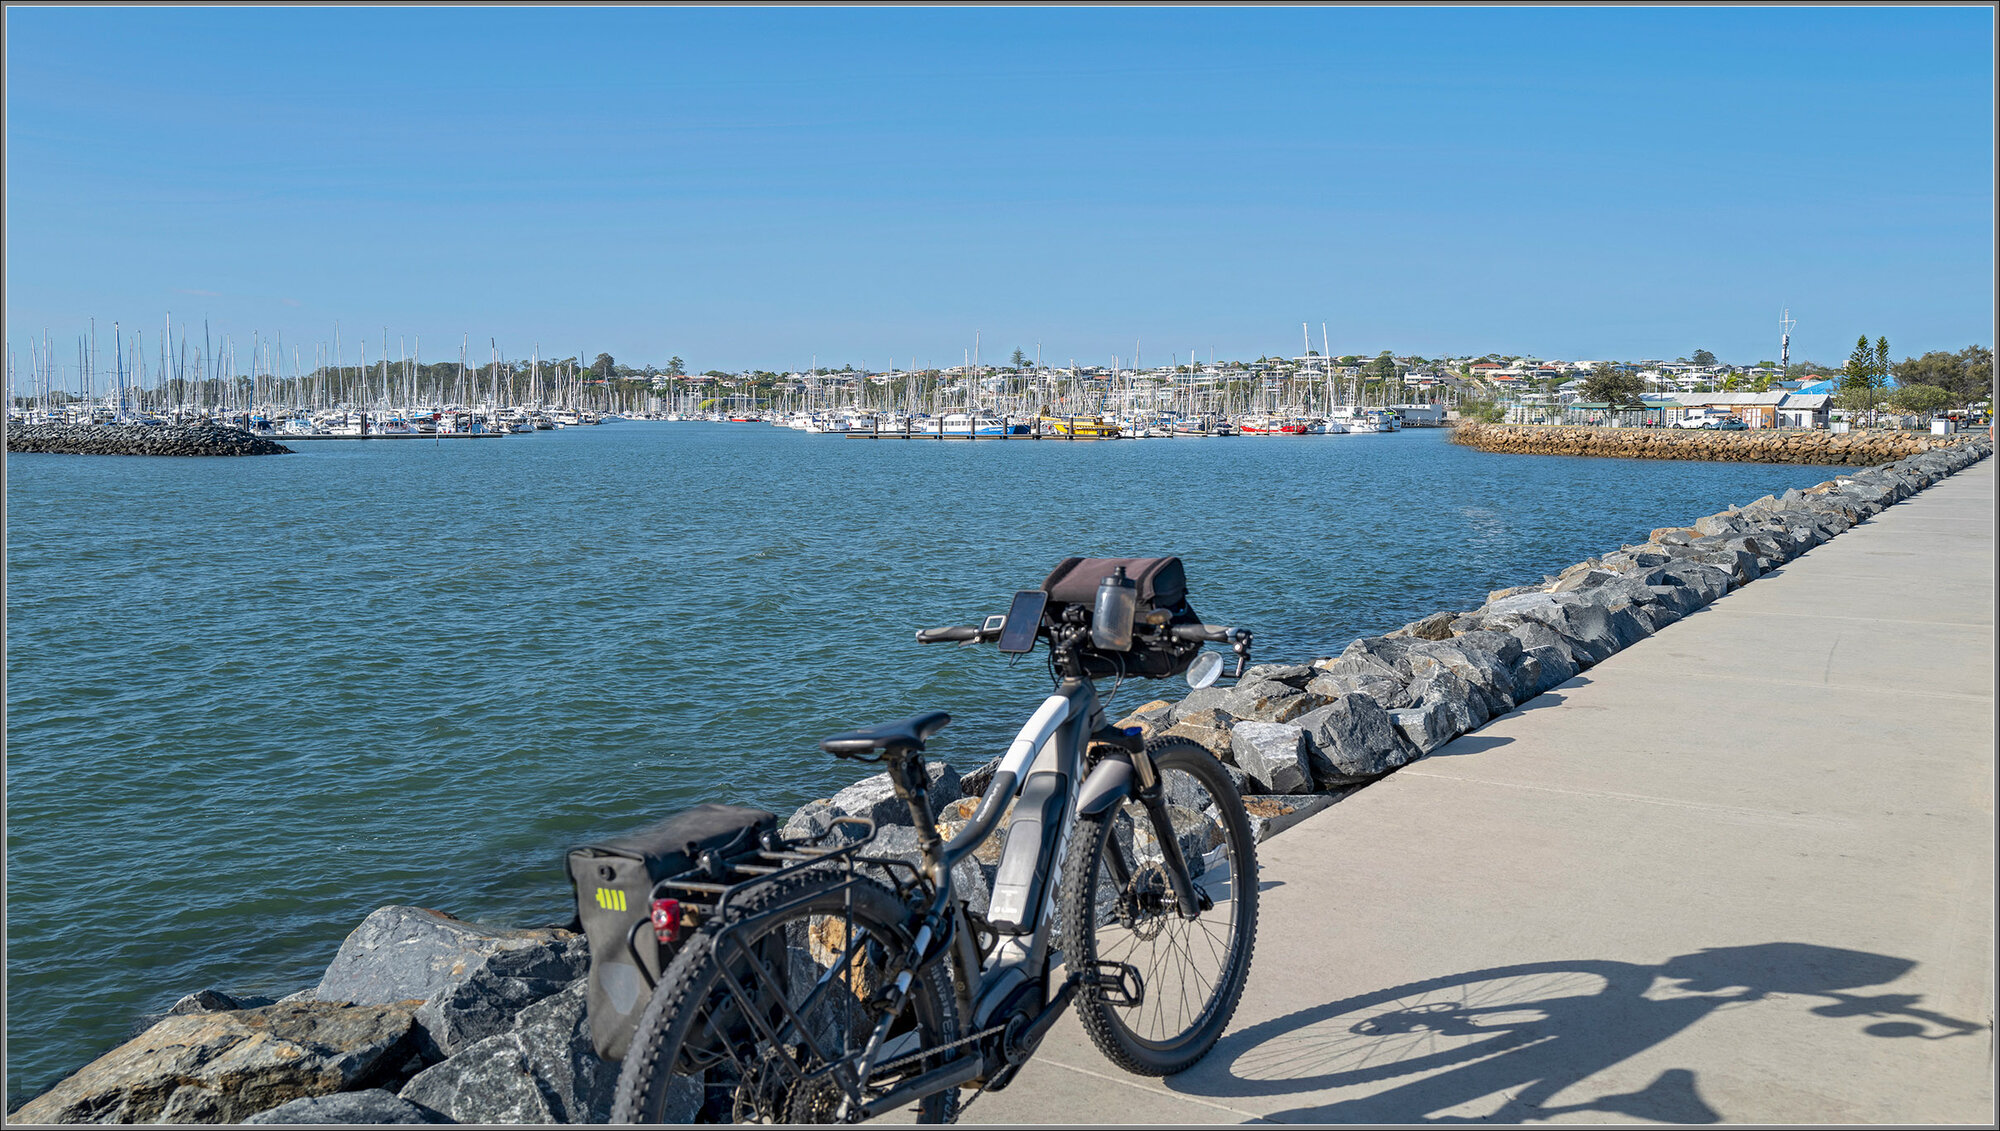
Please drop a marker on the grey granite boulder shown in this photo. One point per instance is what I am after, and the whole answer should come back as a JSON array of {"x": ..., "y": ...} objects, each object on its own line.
[
  {"x": 494, "y": 992},
  {"x": 1297, "y": 675},
  {"x": 1464, "y": 706},
  {"x": 371, "y": 1106},
  {"x": 1390, "y": 692},
  {"x": 1727, "y": 522},
  {"x": 1480, "y": 669},
  {"x": 1352, "y": 739},
  {"x": 972, "y": 878},
  {"x": 1197, "y": 701},
  {"x": 874, "y": 797},
  {"x": 543, "y": 1070},
  {"x": 1387, "y": 651},
  {"x": 1705, "y": 582},
  {"x": 1500, "y": 645},
  {"x": 1540, "y": 669},
  {"x": 1273, "y": 756},
  {"x": 816, "y": 818},
  {"x": 1427, "y": 726},
  {"x": 1679, "y": 598},
  {"x": 473, "y": 978},
  {"x": 399, "y": 953},
  {"x": 1534, "y": 634},
  {"x": 1270, "y": 815},
  {"x": 1268, "y": 701}
]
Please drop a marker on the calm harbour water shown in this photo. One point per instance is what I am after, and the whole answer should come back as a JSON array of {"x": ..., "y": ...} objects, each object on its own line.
[{"x": 251, "y": 700}]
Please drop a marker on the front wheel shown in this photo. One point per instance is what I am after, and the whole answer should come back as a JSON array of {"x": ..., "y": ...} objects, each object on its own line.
[{"x": 1159, "y": 987}]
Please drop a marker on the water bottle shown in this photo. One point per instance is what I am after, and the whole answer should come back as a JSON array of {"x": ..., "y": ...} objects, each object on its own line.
[{"x": 1117, "y": 604}]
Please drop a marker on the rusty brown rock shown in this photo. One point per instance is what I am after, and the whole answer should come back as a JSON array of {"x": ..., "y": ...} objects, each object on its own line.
[
  {"x": 222, "y": 1067},
  {"x": 1754, "y": 446}
]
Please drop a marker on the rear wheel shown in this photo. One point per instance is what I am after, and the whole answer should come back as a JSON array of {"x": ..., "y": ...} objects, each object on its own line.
[
  {"x": 1180, "y": 978},
  {"x": 715, "y": 1044}
]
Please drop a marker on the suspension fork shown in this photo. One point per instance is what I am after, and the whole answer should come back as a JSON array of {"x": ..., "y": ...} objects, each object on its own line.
[{"x": 1152, "y": 797}]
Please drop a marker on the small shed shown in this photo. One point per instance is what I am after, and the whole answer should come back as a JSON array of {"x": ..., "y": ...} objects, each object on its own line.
[{"x": 1805, "y": 410}]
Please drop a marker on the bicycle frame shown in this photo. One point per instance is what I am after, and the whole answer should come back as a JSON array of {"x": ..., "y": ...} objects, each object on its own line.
[{"x": 1042, "y": 773}]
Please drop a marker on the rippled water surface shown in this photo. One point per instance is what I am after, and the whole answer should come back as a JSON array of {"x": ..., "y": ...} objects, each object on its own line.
[{"x": 250, "y": 700}]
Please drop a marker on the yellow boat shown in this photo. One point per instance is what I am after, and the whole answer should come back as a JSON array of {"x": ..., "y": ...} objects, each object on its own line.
[{"x": 1079, "y": 427}]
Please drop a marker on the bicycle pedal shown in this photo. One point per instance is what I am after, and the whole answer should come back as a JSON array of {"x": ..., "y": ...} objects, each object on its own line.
[{"x": 1118, "y": 983}]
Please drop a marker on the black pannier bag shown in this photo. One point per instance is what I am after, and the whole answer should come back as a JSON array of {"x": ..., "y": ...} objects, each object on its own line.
[
  {"x": 614, "y": 887},
  {"x": 1162, "y": 586}
]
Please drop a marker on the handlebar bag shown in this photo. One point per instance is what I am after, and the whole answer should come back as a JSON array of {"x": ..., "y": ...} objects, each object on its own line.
[
  {"x": 614, "y": 886},
  {"x": 1161, "y": 583}
]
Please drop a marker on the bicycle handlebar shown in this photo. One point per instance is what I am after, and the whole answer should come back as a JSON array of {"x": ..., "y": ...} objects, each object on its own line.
[
  {"x": 966, "y": 633},
  {"x": 957, "y": 633},
  {"x": 1209, "y": 633}
]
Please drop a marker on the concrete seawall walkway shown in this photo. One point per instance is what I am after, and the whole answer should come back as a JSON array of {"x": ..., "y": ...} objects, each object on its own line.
[{"x": 1742, "y": 871}]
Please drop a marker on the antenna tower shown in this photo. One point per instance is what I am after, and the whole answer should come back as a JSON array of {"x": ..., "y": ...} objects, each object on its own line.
[{"x": 1785, "y": 325}]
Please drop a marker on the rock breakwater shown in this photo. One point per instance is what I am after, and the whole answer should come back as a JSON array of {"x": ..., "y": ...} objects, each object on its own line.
[
  {"x": 421, "y": 1017},
  {"x": 1753, "y": 446},
  {"x": 139, "y": 440}
]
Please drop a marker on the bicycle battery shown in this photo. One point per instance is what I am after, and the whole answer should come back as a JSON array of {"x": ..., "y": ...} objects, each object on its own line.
[
  {"x": 614, "y": 886},
  {"x": 1028, "y": 854}
]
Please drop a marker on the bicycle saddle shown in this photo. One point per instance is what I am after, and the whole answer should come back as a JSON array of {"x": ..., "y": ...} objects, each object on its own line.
[{"x": 889, "y": 737}]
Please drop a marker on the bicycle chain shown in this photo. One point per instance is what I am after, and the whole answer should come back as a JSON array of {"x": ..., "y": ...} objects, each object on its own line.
[{"x": 936, "y": 1049}]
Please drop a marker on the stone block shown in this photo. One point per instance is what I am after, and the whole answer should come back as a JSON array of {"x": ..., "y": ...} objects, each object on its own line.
[
  {"x": 371, "y": 1106},
  {"x": 1427, "y": 727},
  {"x": 543, "y": 1070},
  {"x": 1352, "y": 739},
  {"x": 1273, "y": 756},
  {"x": 399, "y": 953}
]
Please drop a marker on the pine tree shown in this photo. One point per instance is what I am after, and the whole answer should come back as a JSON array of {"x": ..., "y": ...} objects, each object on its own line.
[
  {"x": 1860, "y": 363},
  {"x": 1860, "y": 380}
]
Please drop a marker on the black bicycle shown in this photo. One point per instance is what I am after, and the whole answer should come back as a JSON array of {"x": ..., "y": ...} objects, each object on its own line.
[{"x": 828, "y": 985}]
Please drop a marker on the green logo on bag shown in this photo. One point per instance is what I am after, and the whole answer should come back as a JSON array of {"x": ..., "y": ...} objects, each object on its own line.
[{"x": 611, "y": 899}]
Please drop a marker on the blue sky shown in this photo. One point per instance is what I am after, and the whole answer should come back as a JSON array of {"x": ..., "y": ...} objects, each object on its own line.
[{"x": 753, "y": 188}]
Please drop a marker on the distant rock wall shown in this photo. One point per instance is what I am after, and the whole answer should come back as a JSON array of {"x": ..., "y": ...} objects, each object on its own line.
[
  {"x": 1753, "y": 446},
  {"x": 139, "y": 440},
  {"x": 422, "y": 1018}
]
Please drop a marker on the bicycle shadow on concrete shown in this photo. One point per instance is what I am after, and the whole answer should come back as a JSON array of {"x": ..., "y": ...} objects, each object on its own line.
[{"x": 1504, "y": 1042}]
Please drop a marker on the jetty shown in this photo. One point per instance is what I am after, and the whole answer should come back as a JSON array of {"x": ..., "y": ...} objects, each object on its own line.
[
  {"x": 1742, "y": 870},
  {"x": 140, "y": 440}
]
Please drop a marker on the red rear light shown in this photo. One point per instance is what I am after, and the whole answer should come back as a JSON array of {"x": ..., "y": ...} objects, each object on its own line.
[{"x": 667, "y": 920}]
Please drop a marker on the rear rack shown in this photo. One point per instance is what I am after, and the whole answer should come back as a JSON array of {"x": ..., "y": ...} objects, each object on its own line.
[{"x": 717, "y": 878}]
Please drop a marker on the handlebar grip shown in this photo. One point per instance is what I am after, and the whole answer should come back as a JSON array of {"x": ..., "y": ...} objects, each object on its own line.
[
  {"x": 950, "y": 633},
  {"x": 1208, "y": 633}
]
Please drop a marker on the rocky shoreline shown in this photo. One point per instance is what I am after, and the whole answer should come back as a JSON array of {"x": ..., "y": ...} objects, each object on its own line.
[
  {"x": 423, "y": 1018},
  {"x": 1753, "y": 446},
  {"x": 139, "y": 440}
]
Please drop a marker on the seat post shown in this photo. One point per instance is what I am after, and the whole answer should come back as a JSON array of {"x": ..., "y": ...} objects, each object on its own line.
[{"x": 911, "y": 780}]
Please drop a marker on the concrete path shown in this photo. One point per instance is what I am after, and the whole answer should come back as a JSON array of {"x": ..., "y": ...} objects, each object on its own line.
[{"x": 1742, "y": 871}]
